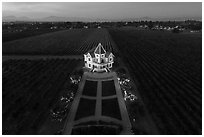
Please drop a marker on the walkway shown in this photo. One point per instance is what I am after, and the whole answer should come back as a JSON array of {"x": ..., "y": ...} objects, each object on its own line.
[{"x": 100, "y": 101}]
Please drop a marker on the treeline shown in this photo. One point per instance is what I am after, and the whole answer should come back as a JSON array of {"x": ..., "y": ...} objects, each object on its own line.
[
  {"x": 17, "y": 30},
  {"x": 188, "y": 24}
]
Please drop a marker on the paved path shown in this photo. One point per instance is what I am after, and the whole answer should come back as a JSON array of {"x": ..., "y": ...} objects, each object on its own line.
[{"x": 125, "y": 122}]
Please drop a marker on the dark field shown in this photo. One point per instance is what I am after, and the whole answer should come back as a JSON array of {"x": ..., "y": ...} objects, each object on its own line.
[
  {"x": 167, "y": 70},
  {"x": 29, "y": 91},
  {"x": 57, "y": 43},
  {"x": 8, "y": 36},
  {"x": 183, "y": 48},
  {"x": 67, "y": 42}
]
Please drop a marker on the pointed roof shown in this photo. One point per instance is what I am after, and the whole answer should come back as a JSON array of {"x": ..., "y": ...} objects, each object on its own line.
[
  {"x": 108, "y": 54},
  {"x": 91, "y": 52},
  {"x": 99, "y": 49}
]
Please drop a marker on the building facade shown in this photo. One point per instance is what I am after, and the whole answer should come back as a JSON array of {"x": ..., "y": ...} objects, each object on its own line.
[{"x": 98, "y": 60}]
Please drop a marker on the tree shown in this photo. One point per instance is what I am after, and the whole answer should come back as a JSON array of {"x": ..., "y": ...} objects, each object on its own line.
[{"x": 150, "y": 24}]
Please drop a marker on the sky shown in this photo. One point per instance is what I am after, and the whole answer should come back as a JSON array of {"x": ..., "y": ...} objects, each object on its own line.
[{"x": 103, "y": 10}]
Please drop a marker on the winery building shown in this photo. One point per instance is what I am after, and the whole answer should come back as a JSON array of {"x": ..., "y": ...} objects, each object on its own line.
[{"x": 98, "y": 60}]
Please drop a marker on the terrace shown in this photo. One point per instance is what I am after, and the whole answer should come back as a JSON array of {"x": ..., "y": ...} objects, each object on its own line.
[{"x": 99, "y": 98}]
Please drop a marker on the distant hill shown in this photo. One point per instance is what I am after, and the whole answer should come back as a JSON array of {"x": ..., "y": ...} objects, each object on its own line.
[
  {"x": 49, "y": 19},
  {"x": 83, "y": 19},
  {"x": 14, "y": 18},
  {"x": 71, "y": 19}
]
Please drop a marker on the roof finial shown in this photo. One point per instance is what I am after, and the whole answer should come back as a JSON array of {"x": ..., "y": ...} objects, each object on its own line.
[{"x": 99, "y": 49}]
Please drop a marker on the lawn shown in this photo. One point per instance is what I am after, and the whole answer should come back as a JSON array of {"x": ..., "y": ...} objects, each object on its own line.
[
  {"x": 108, "y": 88},
  {"x": 90, "y": 88},
  {"x": 86, "y": 108},
  {"x": 110, "y": 107}
]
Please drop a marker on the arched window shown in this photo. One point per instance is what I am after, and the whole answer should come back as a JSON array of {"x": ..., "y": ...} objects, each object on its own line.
[
  {"x": 111, "y": 65},
  {"x": 110, "y": 59}
]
